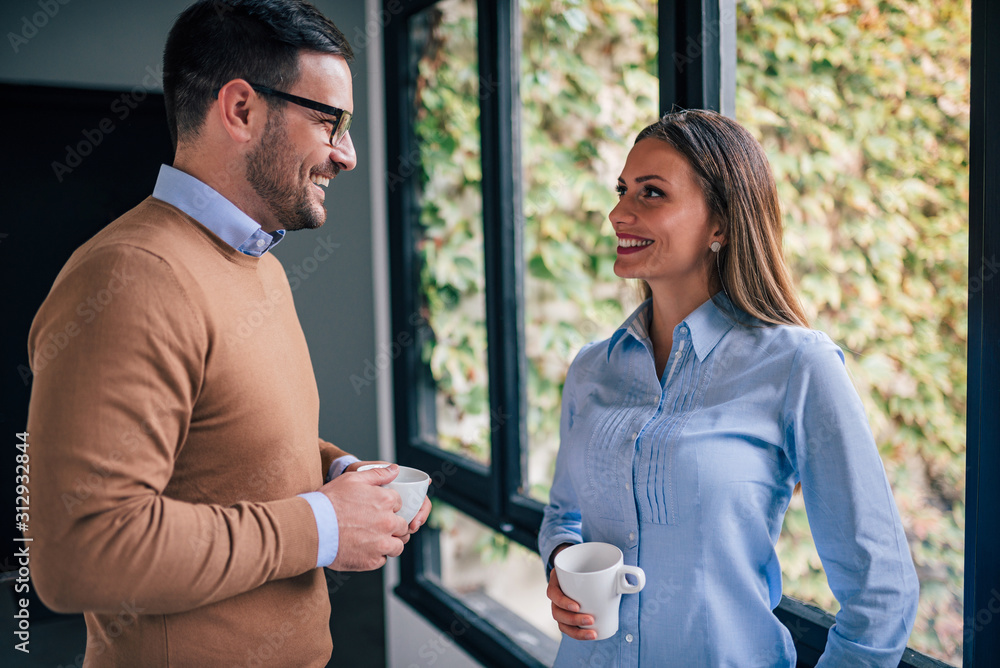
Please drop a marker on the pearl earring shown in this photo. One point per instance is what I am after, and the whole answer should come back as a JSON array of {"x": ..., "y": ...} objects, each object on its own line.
[{"x": 716, "y": 246}]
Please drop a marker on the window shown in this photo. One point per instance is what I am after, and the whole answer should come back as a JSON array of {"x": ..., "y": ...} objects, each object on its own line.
[
  {"x": 494, "y": 120},
  {"x": 864, "y": 114}
]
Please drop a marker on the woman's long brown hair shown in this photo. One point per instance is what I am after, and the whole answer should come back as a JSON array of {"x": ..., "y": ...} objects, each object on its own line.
[{"x": 739, "y": 190}]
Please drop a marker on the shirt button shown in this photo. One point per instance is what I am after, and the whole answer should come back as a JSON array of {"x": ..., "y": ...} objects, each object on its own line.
[
  {"x": 635, "y": 435},
  {"x": 260, "y": 242},
  {"x": 631, "y": 536},
  {"x": 628, "y": 637}
]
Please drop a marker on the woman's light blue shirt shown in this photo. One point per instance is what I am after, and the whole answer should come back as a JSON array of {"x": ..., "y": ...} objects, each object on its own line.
[{"x": 691, "y": 474}]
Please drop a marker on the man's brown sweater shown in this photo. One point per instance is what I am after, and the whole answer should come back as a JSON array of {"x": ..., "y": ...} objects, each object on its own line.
[{"x": 173, "y": 421}]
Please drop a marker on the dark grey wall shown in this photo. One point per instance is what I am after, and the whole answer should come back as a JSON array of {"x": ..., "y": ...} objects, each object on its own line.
[{"x": 111, "y": 44}]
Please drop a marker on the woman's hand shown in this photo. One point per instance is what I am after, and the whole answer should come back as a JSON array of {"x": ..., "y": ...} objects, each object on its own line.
[{"x": 566, "y": 611}]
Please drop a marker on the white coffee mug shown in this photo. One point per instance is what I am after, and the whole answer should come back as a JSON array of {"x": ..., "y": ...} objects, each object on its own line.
[
  {"x": 593, "y": 575},
  {"x": 411, "y": 484}
]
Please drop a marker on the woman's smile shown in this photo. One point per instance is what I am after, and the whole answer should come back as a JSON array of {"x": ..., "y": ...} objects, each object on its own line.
[{"x": 629, "y": 243}]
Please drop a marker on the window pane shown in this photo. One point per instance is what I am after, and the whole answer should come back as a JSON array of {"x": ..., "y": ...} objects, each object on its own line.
[
  {"x": 497, "y": 578},
  {"x": 449, "y": 242},
  {"x": 588, "y": 85},
  {"x": 863, "y": 109}
]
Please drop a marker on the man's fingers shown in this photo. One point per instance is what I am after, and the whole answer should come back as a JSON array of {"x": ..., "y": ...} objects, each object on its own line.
[
  {"x": 397, "y": 502},
  {"x": 395, "y": 548},
  {"x": 354, "y": 466},
  {"x": 421, "y": 517},
  {"x": 379, "y": 475}
]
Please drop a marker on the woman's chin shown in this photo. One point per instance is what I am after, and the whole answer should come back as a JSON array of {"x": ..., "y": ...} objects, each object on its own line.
[{"x": 622, "y": 270}]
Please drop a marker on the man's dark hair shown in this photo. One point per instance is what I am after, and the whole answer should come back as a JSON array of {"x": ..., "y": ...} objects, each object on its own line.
[{"x": 215, "y": 41}]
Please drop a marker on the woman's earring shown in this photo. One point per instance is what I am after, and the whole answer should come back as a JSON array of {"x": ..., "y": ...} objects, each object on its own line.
[{"x": 716, "y": 246}]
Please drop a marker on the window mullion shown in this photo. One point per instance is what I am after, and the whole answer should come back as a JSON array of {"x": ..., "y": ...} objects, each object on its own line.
[
  {"x": 690, "y": 61},
  {"x": 982, "y": 540},
  {"x": 499, "y": 71}
]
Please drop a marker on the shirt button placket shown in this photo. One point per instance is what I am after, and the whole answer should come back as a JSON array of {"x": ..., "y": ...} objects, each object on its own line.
[
  {"x": 628, "y": 486},
  {"x": 635, "y": 441}
]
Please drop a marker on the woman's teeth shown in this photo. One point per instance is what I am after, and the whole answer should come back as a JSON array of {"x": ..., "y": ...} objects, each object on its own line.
[
  {"x": 320, "y": 180},
  {"x": 630, "y": 243}
]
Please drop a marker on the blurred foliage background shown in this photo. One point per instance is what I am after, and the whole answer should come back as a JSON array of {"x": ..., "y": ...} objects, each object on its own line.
[{"x": 863, "y": 109}]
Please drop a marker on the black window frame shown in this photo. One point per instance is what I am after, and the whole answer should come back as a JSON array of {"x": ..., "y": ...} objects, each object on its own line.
[{"x": 491, "y": 495}]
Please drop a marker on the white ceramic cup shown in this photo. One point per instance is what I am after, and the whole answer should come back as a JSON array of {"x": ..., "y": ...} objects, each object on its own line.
[
  {"x": 593, "y": 575},
  {"x": 411, "y": 484}
]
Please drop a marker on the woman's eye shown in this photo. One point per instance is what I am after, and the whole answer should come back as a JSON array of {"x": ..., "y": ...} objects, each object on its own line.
[
  {"x": 621, "y": 190},
  {"x": 650, "y": 191}
]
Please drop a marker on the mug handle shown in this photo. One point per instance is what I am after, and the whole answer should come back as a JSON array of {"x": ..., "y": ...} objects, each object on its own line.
[{"x": 623, "y": 584}]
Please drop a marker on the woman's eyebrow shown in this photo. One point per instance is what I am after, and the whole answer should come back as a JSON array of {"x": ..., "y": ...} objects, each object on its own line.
[{"x": 648, "y": 177}]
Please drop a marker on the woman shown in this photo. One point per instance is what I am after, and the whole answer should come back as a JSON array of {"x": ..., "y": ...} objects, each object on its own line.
[{"x": 685, "y": 433}]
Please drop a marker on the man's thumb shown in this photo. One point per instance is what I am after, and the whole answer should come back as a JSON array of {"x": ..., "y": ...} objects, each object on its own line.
[{"x": 379, "y": 474}]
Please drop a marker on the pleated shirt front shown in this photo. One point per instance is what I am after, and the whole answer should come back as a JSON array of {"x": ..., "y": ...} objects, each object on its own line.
[{"x": 691, "y": 473}]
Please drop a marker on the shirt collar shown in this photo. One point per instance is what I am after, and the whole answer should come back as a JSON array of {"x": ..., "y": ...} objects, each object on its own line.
[
  {"x": 708, "y": 324},
  {"x": 636, "y": 325},
  {"x": 218, "y": 214}
]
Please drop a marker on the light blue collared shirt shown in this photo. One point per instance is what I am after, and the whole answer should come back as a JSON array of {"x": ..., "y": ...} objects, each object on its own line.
[
  {"x": 229, "y": 223},
  {"x": 690, "y": 474},
  {"x": 218, "y": 214}
]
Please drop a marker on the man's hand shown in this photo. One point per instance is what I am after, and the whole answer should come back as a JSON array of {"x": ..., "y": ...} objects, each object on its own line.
[
  {"x": 370, "y": 531},
  {"x": 421, "y": 517},
  {"x": 354, "y": 466}
]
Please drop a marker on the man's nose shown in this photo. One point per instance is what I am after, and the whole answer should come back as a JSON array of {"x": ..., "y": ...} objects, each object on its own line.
[{"x": 344, "y": 155}]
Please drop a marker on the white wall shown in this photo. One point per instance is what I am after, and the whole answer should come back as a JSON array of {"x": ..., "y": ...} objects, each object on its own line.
[{"x": 414, "y": 643}]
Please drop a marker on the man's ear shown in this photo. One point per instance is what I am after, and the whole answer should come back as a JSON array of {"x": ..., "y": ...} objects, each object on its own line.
[{"x": 240, "y": 110}]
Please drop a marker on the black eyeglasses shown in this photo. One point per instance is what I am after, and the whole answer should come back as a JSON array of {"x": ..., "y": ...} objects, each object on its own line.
[{"x": 341, "y": 119}]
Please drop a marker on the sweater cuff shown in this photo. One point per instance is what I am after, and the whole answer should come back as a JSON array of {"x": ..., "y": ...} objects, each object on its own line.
[
  {"x": 339, "y": 464},
  {"x": 326, "y": 526}
]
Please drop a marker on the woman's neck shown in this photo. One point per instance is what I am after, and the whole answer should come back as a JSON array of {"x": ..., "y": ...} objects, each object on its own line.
[{"x": 670, "y": 307}]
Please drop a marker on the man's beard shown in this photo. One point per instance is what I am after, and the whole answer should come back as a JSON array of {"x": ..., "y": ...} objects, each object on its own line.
[{"x": 272, "y": 172}]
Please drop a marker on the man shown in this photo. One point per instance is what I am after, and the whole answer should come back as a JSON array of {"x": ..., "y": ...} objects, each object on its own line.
[{"x": 177, "y": 481}]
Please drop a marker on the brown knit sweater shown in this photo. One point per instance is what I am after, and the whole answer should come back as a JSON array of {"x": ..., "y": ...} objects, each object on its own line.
[{"x": 173, "y": 421}]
